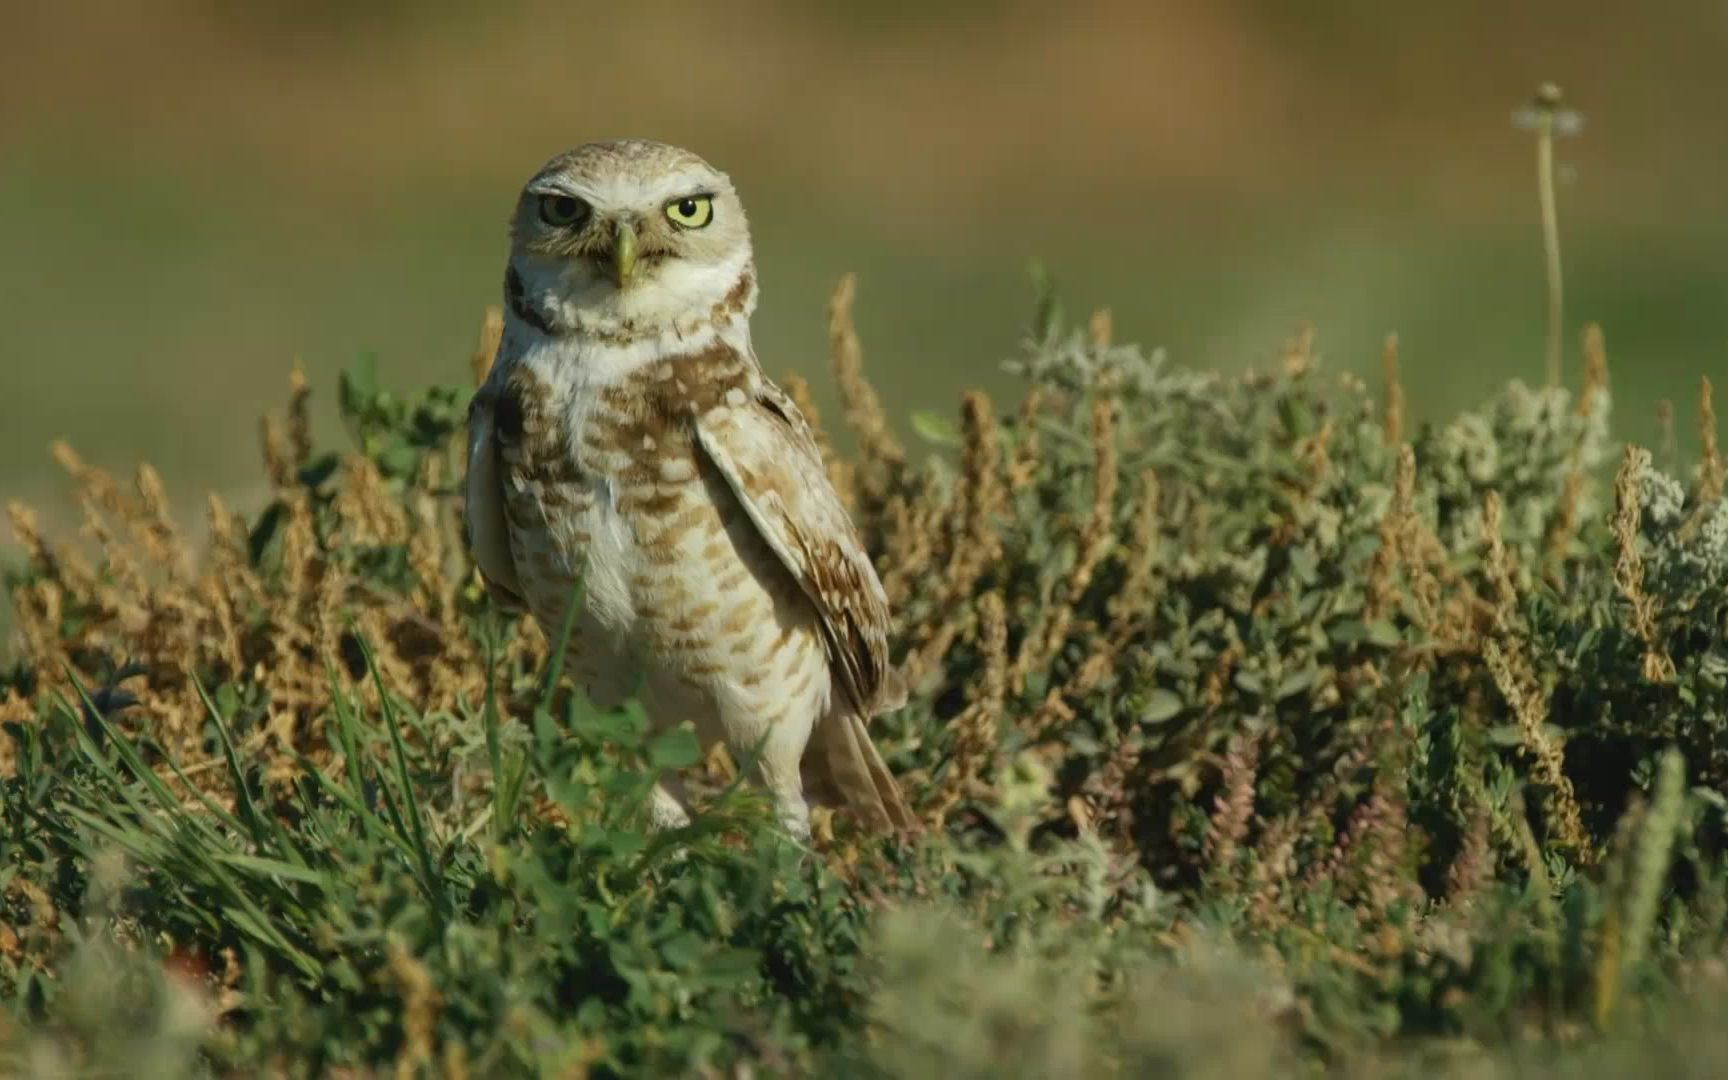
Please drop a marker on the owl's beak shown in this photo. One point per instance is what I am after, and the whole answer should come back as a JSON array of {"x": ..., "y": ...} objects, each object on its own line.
[{"x": 623, "y": 252}]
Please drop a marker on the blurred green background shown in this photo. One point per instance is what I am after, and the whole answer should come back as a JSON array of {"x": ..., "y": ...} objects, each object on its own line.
[{"x": 195, "y": 192}]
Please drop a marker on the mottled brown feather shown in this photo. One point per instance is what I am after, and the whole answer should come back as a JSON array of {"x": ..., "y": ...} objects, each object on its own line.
[
  {"x": 762, "y": 445},
  {"x": 488, "y": 529}
]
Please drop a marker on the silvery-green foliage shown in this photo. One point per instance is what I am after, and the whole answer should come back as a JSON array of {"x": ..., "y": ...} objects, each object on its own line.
[
  {"x": 1687, "y": 553},
  {"x": 1265, "y": 804},
  {"x": 1522, "y": 445}
]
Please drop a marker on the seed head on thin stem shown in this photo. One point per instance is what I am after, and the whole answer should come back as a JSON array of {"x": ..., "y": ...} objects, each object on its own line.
[{"x": 1546, "y": 116}]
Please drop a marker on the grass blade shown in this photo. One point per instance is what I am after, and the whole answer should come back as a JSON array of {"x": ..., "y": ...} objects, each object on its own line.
[
  {"x": 410, "y": 798},
  {"x": 566, "y": 631},
  {"x": 242, "y": 794},
  {"x": 258, "y": 864},
  {"x": 347, "y": 733},
  {"x": 503, "y": 800}
]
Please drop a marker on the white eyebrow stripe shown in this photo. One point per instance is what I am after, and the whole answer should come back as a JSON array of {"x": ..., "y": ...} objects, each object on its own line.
[
  {"x": 630, "y": 191},
  {"x": 556, "y": 185}
]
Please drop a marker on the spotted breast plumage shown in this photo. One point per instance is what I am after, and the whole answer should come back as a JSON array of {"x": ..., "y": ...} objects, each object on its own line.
[{"x": 627, "y": 437}]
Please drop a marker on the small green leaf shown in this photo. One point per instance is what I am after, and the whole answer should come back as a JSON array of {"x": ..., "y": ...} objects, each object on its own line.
[
  {"x": 1047, "y": 310},
  {"x": 682, "y": 951},
  {"x": 398, "y": 458},
  {"x": 1161, "y": 706},
  {"x": 1356, "y": 632},
  {"x": 357, "y": 387},
  {"x": 675, "y": 749},
  {"x": 935, "y": 428}
]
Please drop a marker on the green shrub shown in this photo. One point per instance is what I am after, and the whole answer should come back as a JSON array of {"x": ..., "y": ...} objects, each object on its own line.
[{"x": 1250, "y": 734}]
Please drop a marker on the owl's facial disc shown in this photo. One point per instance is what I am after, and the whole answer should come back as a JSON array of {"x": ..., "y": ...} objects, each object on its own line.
[{"x": 631, "y": 234}]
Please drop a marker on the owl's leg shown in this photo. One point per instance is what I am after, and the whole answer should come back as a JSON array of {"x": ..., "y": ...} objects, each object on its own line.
[
  {"x": 771, "y": 745},
  {"x": 767, "y": 721},
  {"x": 778, "y": 767}
]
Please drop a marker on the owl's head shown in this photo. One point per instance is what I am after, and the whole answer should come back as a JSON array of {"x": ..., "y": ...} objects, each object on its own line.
[{"x": 630, "y": 232}]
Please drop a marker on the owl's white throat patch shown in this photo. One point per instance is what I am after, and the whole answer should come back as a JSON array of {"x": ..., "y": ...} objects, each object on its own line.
[
  {"x": 674, "y": 298},
  {"x": 579, "y": 352}
]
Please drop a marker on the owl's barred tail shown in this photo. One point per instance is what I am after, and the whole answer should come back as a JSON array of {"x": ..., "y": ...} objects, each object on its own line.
[{"x": 851, "y": 773}]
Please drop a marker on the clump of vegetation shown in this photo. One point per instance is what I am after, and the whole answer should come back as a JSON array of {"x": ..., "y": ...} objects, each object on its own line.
[{"x": 1254, "y": 730}]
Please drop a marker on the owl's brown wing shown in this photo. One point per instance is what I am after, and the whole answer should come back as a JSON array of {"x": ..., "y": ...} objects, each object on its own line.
[
  {"x": 483, "y": 504},
  {"x": 763, "y": 448}
]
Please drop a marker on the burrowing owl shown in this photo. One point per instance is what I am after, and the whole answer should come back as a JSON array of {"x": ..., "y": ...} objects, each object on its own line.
[{"x": 626, "y": 436}]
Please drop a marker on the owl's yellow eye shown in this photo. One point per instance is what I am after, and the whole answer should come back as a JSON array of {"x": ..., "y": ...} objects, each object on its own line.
[
  {"x": 562, "y": 211},
  {"x": 691, "y": 212}
]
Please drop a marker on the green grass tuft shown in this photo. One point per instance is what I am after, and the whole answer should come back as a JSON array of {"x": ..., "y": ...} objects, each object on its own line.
[{"x": 1252, "y": 739}]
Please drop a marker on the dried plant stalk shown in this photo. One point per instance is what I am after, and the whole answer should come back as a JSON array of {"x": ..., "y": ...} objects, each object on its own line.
[
  {"x": 881, "y": 457},
  {"x": 299, "y": 417},
  {"x": 1518, "y": 685},
  {"x": 1299, "y": 352},
  {"x": 1595, "y": 371},
  {"x": 1473, "y": 867},
  {"x": 1100, "y": 329},
  {"x": 1629, "y": 566},
  {"x": 839, "y": 470},
  {"x": 1134, "y": 601},
  {"x": 1563, "y": 529},
  {"x": 1497, "y": 565},
  {"x": 1233, "y": 806},
  {"x": 421, "y": 1004},
  {"x": 1712, "y": 474},
  {"x": 1023, "y": 469},
  {"x": 1668, "y": 443},
  {"x": 976, "y": 730},
  {"x": 1392, "y": 417},
  {"x": 278, "y": 451},
  {"x": 910, "y": 532},
  {"x": 1097, "y": 536},
  {"x": 1407, "y": 545},
  {"x": 276, "y": 622},
  {"x": 972, "y": 543}
]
